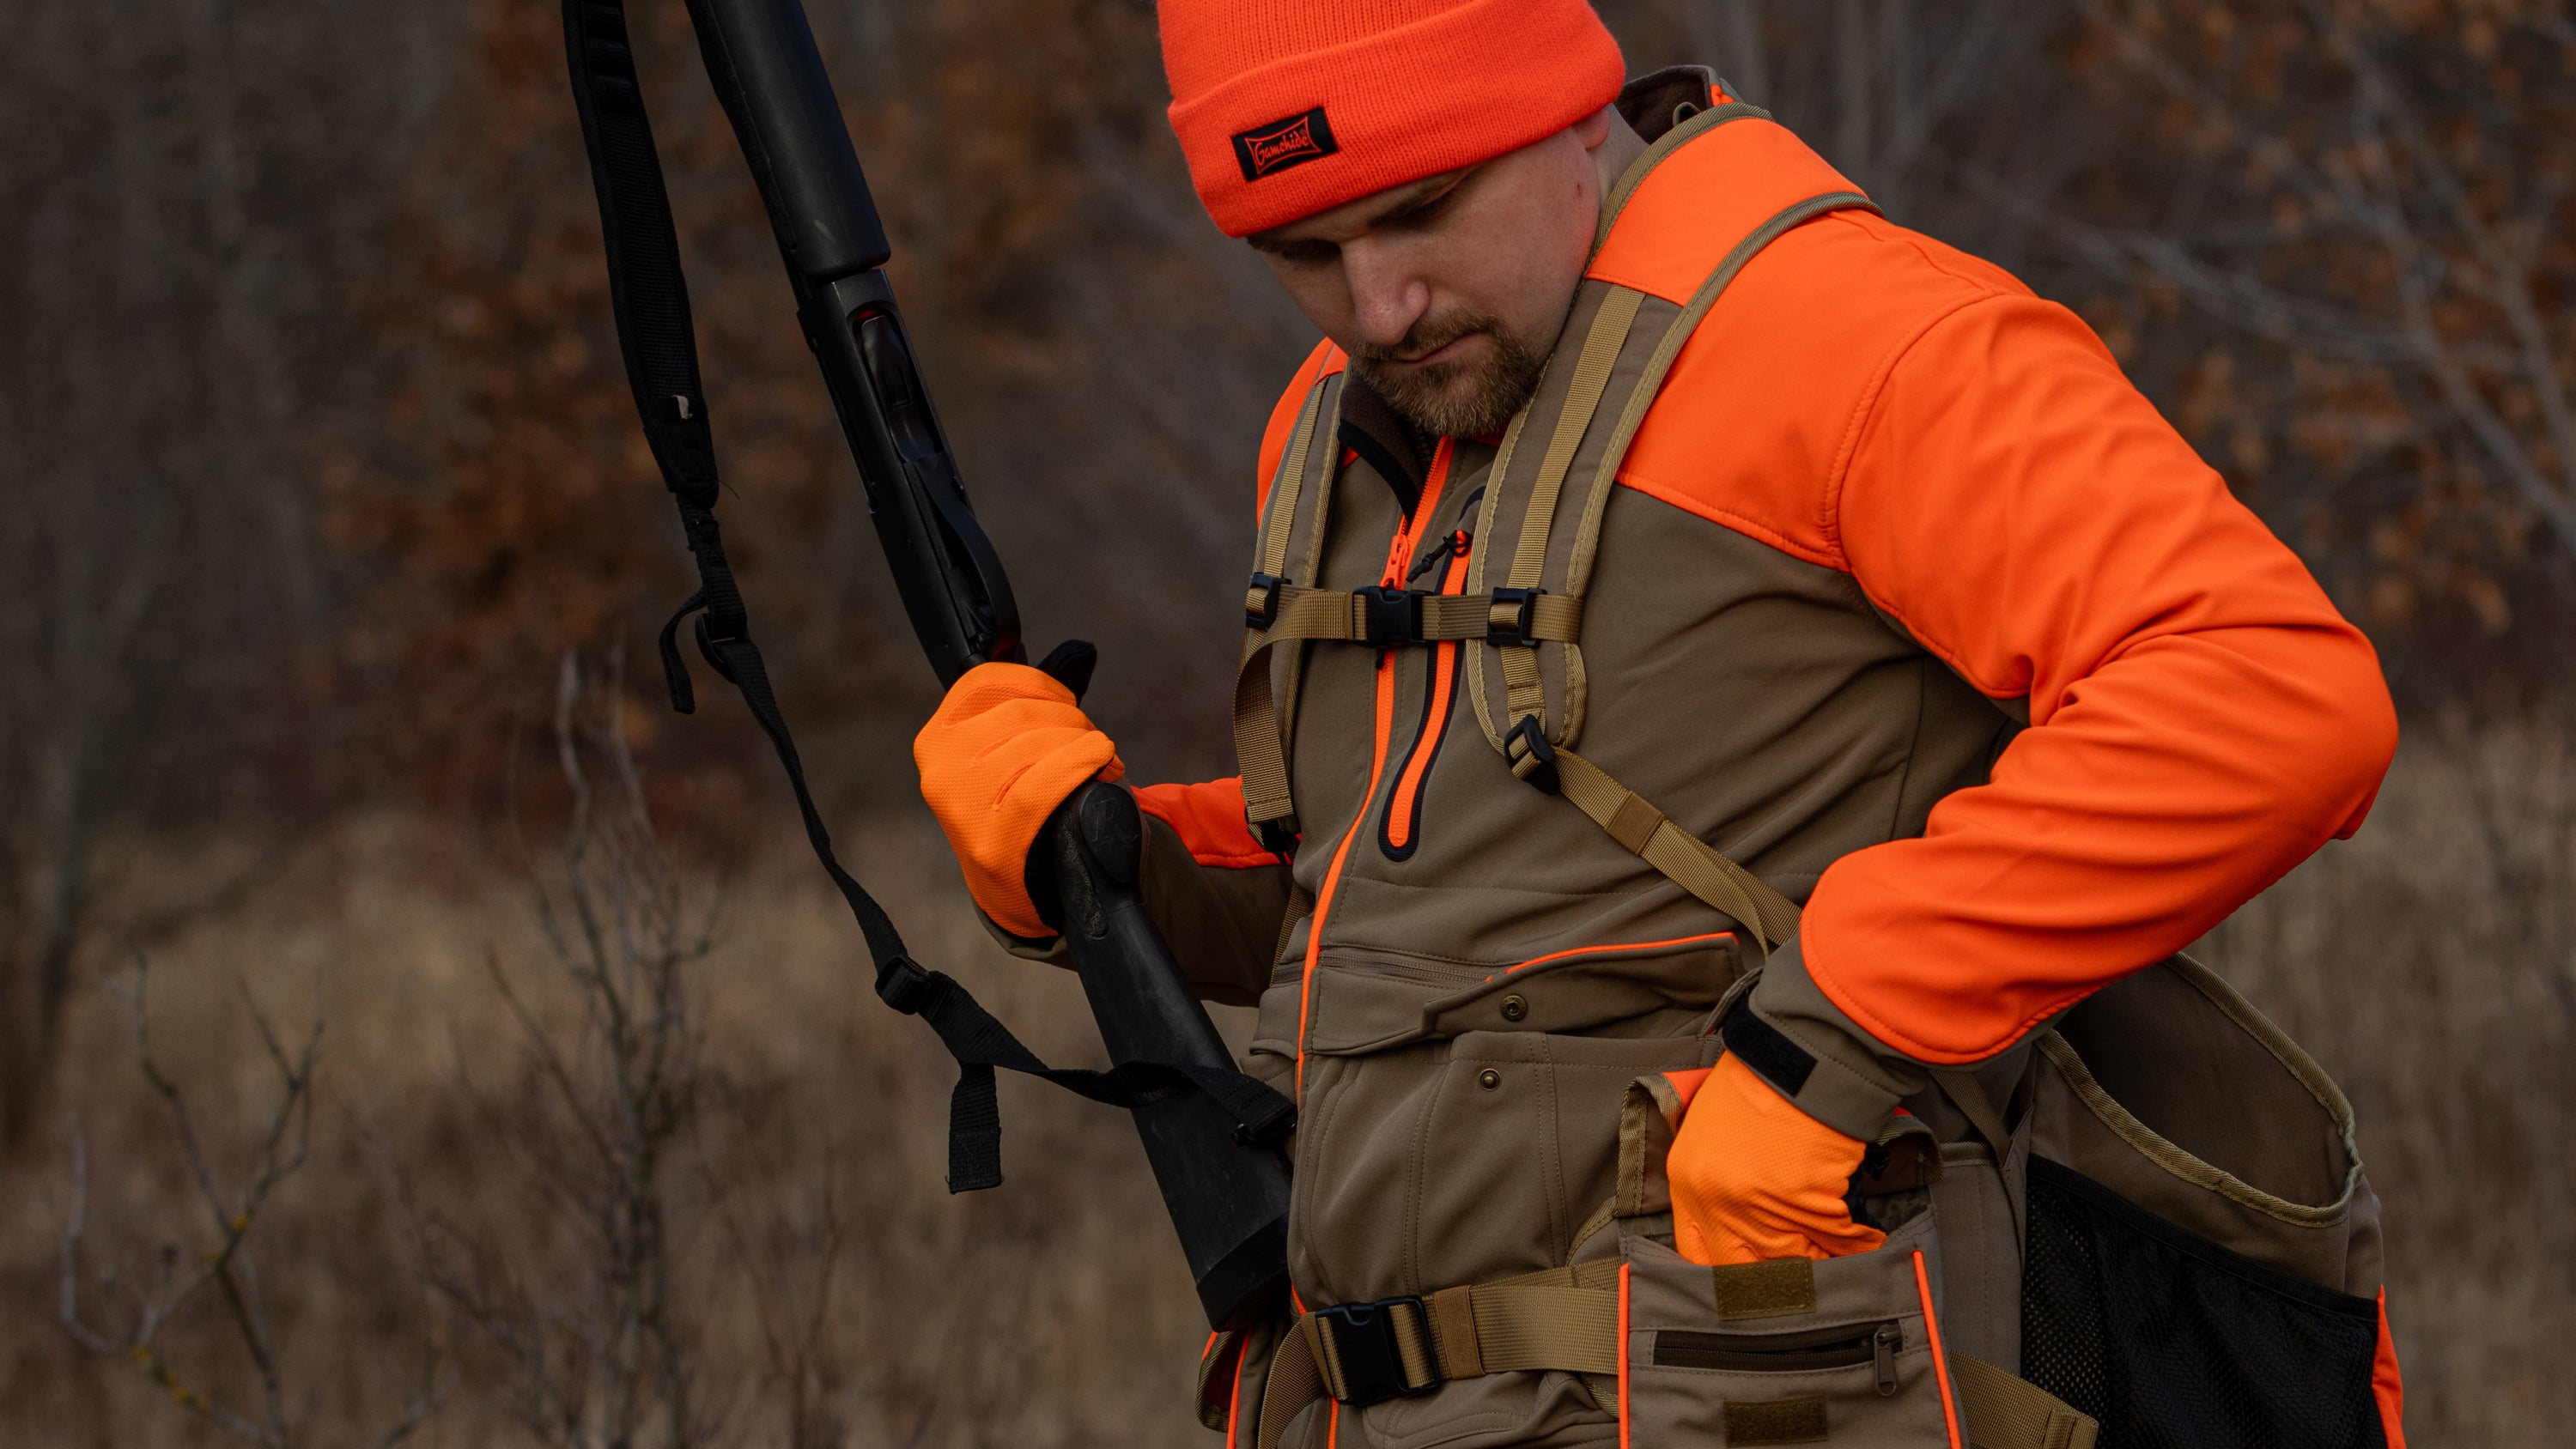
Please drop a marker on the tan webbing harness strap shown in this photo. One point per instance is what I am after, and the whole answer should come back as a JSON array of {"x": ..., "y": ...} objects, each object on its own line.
[
  {"x": 1257, "y": 747},
  {"x": 1591, "y": 378},
  {"x": 1665, "y": 145},
  {"x": 1969, "y": 1095},
  {"x": 1294, "y": 1383},
  {"x": 1285, "y": 489},
  {"x": 1260, "y": 743},
  {"x": 1587, "y": 537},
  {"x": 1683, "y": 857},
  {"x": 1999, "y": 1411},
  {"x": 1523, "y": 694}
]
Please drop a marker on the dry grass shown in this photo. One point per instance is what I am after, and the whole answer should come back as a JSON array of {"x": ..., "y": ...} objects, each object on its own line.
[
  {"x": 1052, "y": 1312},
  {"x": 835, "y": 1294}
]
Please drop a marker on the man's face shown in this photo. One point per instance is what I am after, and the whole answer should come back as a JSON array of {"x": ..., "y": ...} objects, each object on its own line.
[{"x": 1448, "y": 292}]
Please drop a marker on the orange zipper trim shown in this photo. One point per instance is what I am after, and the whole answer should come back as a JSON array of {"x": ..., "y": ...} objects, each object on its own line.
[
  {"x": 1629, "y": 948},
  {"x": 1623, "y": 1362},
  {"x": 1940, "y": 1359},
  {"x": 1400, "y": 806},
  {"x": 1399, "y": 552}
]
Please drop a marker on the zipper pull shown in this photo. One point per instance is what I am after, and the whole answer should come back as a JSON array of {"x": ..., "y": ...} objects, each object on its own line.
[
  {"x": 1886, "y": 1341},
  {"x": 1454, "y": 546}
]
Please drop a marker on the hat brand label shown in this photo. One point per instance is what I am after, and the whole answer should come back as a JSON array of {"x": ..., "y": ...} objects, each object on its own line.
[{"x": 1281, "y": 144}]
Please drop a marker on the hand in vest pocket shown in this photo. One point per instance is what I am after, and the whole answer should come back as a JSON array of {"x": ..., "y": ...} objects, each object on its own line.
[
  {"x": 1754, "y": 1178},
  {"x": 1003, "y": 750}
]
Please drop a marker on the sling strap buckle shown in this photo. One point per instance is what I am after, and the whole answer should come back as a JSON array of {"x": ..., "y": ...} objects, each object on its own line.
[
  {"x": 1261, "y": 601},
  {"x": 1512, "y": 616},
  {"x": 1362, "y": 1351},
  {"x": 1390, "y": 618}
]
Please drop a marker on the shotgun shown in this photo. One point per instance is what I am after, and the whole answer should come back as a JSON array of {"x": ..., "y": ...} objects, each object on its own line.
[{"x": 1210, "y": 1133}]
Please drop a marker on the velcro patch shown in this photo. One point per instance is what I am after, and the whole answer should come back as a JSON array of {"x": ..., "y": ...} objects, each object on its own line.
[
  {"x": 1766, "y": 1049},
  {"x": 1775, "y": 1421},
  {"x": 1300, "y": 138},
  {"x": 1772, "y": 1288}
]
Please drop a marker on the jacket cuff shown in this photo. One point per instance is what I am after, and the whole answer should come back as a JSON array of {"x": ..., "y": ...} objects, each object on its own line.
[
  {"x": 1797, "y": 1040},
  {"x": 1050, "y": 949}
]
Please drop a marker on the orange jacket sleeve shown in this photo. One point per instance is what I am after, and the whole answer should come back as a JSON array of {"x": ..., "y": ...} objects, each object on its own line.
[
  {"x": 1209, "y": 819},
  {"x": 2201, "y": 719}
]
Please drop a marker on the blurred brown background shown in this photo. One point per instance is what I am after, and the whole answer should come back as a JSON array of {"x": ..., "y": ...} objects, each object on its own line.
[{"x": 327, "y": 526}]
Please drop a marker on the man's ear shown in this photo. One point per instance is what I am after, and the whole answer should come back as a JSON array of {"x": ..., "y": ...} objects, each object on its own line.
[{"x": 1593, "y": 129}]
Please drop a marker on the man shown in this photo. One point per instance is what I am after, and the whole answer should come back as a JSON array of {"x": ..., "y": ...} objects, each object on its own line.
[{"x": 1910, "y": 655}]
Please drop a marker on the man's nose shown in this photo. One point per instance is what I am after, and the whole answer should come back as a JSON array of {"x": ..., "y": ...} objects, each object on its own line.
[{"x": 1387, "y": 297}]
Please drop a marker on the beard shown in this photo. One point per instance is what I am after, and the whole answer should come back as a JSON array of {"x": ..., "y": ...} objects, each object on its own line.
[{"x": 1463, "y": 398}]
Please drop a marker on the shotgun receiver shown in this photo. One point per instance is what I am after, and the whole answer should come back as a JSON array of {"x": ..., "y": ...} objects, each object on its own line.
[{"x": 1210, "y": 1133}]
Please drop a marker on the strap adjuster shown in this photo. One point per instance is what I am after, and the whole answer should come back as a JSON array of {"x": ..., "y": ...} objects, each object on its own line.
[
  {"x": 903, "y": 984},
  {"x": 1511, "y": 616},
  {"x": 1390, "y": 617},
  {"x": 1261, "y": 601},
  {"x": 1364, "y": 1358},
  {"x": 1535, "y": 762}
]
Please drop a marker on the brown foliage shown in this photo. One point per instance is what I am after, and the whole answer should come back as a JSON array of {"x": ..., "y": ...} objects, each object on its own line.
[{"x": 2372, "y": 203}]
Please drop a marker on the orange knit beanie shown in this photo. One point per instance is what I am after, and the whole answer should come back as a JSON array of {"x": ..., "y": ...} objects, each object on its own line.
[{"x": 1290, "y": 107}]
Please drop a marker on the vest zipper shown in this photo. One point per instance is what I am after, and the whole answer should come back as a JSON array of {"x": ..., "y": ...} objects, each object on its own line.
[
  {"x": 1400, "y": 824},
  {"x": 1399, "y": 550}
]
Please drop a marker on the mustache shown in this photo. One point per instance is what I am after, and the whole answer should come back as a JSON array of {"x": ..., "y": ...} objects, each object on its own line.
[{"x": 1428, "y": 336}]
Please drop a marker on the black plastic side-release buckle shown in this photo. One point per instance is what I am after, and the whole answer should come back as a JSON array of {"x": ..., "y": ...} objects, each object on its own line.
[
  {"x": 1279, "y": 837},
  {"x": 1261, "y": 601},
  {"x": 1522, "y": 605},
  {"x": 1390, "y": 617},
  {"x": 1536, "y": 763},
  {"x": 1364, "y": 1350}
]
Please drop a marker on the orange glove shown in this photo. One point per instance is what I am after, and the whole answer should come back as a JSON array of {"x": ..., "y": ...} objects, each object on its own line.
[
  {"x": 1003, "y": 750},
  {"x": 1753, "y": 1177}
]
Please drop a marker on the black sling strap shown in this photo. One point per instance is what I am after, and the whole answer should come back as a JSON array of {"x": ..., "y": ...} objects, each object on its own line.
[{"x": 651, "y": 299}]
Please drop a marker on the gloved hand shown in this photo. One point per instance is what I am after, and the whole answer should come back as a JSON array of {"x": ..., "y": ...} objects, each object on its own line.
[
  {"x": 1003, "y": 750},
  {"x": 1753, "y": 1177}
]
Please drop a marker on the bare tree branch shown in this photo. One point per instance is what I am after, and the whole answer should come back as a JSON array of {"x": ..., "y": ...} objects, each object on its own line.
[{"x": 233, "y": 1214}]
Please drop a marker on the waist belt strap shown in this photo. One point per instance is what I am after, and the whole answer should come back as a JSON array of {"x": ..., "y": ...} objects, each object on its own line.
[
  {"x": 1565, "y": 1319},
  {"x": 1999, "y": 1411}
]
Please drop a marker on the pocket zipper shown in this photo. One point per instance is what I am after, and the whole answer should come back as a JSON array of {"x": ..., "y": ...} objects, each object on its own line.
[{"x": 1825, "y": 1348}]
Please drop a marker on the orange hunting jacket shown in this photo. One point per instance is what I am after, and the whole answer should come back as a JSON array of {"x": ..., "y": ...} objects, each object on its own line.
[{"x": 1969, "y": 456}]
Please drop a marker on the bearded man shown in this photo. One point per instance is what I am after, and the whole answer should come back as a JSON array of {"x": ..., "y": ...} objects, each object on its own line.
[{"x": 1741, "y": 702}]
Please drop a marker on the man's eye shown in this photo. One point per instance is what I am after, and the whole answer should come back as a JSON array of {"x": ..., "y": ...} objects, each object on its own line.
[
  {"x": 1307, "y": 253},
  {"x": 1429, "y": 211}
]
